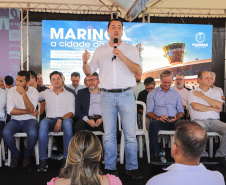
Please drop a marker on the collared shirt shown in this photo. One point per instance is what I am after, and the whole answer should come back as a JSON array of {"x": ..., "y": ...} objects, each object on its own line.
[
  {"x": 58, "y": 105},
  {"x": 94, "y": 105},
  {"x": 114, "y": 74},
  {"x": 164, "y": 103},
  {"x": 218, "y": 89},
  {"x": 78, "y": 88},
  {"x": 70, "y": 90},
  {"x": 138, "y": 88},
  {"x": 3, "y": 94},
  {"x": 15, "y": 100},
  {"x": 187, "y": 175},
  {"x": 184, "y": 95},
  {"x": 211, "y": 93}
]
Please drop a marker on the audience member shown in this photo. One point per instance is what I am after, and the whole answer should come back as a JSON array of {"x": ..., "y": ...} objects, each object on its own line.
[
  {"x": 75, "y": 79},
  {"x": 179, "y": 86},
  {"x": 205, "y": 105},
  {"x": 164, "y": 107},
  {"x": 87, "y": 106},
  {"x": 8, "y": 82},
  {"x": 149, "y": 84},
  {"x": 3, "y": 95},
  {"x": 66, "y": 87},
  {"x": 33, "y": 79},
  {"x": 82, "y": 166},
  {"x": 2, "y": 83},
  {"x": 140, "y": 85},
  {"x": 40, "y": 86},
  {"x": 21, "y": 103},
  {"x": 213, "y": 77},
  {"x": 188, "y": 145},
  {"x": 60, "y": 109}
]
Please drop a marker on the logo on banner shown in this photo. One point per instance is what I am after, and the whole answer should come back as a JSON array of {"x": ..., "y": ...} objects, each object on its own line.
[{"x": 200, "y": 38}]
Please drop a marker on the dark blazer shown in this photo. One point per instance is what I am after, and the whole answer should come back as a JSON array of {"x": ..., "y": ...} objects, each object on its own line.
[{"x": 82, "y": 103}]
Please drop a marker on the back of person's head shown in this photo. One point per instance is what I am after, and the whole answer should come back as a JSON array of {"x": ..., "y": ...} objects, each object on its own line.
[
  {"x": 33, "y": 74},
  {"x": 26, "y": 74},
  {"x": 191, "y": 138},
  {"x": 9, "y": 80},
  {"x": 82, "y": 164},
  {"x": 149, "y": 80}
]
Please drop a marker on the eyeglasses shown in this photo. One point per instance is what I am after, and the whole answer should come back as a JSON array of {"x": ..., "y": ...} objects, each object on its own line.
[{"x": 91, "y": 80}]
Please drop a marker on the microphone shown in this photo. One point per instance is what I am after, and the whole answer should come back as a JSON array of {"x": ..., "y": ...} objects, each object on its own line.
[{"x": 115, "y": 46}]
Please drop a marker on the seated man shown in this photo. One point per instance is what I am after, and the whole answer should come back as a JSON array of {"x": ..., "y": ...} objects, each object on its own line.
[
  {"x": 21, "y": 103},
  {"x": 179, "y": 86},
  {"x": 40, "y": 86},
  {"x": 213, "y": 77},
  {"x": 87, "y": 105},
  {"x": 139, "y": 87},
  {"x": 8, "y": 82},
  {"x": 75, "y": 79},
  {"x": 149, "y": 84},
  {"x": 3, "y": 95},
  {"x": 164, "y": 107},
  {"x": 66, "y": 87},
  {"x": 205, "y": 105},
  {"x": 60, "y": 109},
  {"x": 33, "y": 79},
  {"x": 189, "y": 142}
]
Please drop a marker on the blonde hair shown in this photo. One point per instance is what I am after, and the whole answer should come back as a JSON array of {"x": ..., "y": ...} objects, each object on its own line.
[{"x": 82, "y": 164}]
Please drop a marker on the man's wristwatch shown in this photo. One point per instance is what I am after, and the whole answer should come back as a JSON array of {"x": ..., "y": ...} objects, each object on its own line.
[{"x": 61, "y": 118}]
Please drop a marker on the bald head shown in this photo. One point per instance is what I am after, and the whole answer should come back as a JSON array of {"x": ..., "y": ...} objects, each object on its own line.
[{"x": 191, "y": 138}]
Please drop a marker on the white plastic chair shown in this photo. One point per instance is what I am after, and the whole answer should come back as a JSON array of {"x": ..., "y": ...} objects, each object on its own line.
[
  {"x": 50, "y": 142},
  {"x": 17, "y": 137},
  {"x": 212, "y": 135},
  {"x": 164, "y": 134},
  {"x": 139, "y": 132},
  {"x": 2, "y": 152}
]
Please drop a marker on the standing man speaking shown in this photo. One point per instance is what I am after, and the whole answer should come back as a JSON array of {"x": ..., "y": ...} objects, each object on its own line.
[{"x": 117, "y": 63}]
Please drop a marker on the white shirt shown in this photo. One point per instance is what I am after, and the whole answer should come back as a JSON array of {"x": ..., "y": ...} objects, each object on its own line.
[
  {"x": 138, "y": 88},
  {"x": 58, "y": 105},
  {"x": 3, "y": 95},
  {"x": 15, "y": 100},
  {"x": 179, "y": 174},
  {"x": 218, "y": 89},
  {"x": 184, "y": 95},
  {"x": 78, "y": 88},
  {"x": 114, "y": 74},
  {"x": 203, "y": 115}
]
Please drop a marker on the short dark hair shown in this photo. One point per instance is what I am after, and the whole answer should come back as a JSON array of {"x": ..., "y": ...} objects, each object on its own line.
[
  {"x": 149, "y": 80},
  {"x": 114, "y": 20},
  {"x": 192, "y": 138},
  {"x": 9, "y": 80},
  {"x": 55, "y": 73},
  {"x": 24, "y": 73},
  {"x": 75, "y": 74},
  {"x": 95, "y": 74},
  {"x": 33, "y": 74}
]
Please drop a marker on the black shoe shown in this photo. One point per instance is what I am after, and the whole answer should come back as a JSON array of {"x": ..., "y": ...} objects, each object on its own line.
[
  {"x": 43, "y": 165},
  {"x": 222, "y": 161},
  {"x": 111, "y": 172},
  {"x": 15, "y": 162},
  {"x": 155, "y": 158},
  {"x": 63, "y": 163},
  {"x": 134, "y": 174},
  {"x": 26, "y": 161}
]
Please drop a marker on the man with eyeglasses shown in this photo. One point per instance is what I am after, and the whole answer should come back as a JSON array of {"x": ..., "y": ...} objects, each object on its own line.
[
  {"x": 87, "y": 106},
  {"x": 149, "y": 84},
  {"x": 117, "y": 61},
  {"x": 179, "y": 86}
]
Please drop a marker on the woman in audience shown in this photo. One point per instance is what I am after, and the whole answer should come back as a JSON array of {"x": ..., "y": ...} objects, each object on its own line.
[{"x": 82, "y": 166}]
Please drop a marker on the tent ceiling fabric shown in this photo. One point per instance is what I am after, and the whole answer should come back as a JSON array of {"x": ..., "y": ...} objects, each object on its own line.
[
  {"x": 195, "y": 8},
  {"x": 126, "y": 9}
]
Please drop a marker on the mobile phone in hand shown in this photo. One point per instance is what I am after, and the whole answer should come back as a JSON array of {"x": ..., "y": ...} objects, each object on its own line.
[{"x": 171, "y": 117}]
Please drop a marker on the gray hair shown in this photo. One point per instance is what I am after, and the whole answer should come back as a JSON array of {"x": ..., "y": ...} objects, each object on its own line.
[
  {"x": 166, "y": 73},
  {"x": 214, "y": 74}
]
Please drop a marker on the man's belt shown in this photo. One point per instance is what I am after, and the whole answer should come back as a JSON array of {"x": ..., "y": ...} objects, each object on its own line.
[
  {"x": 115, "y": 90},
  {"x": 94, "y": 117}
]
